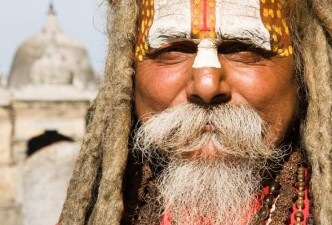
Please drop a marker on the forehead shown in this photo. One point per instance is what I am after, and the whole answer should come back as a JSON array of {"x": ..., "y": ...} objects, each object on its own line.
[
  {"x": 199, "y": 19},
  {"x": 257, "y": 22}
]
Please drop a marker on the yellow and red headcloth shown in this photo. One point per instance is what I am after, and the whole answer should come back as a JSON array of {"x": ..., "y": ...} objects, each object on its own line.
[{"x": 257, "y": 22}]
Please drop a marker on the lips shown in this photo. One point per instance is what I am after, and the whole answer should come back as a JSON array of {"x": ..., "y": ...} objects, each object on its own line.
[
  {"x": 207, "y": 152},
  {"x": 208, "y": 128}
]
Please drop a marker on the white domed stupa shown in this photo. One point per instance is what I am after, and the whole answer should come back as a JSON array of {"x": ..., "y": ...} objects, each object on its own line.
[{"x": 51, "y": 58}]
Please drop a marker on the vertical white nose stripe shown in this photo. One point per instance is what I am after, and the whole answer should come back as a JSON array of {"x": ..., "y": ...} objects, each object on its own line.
[{"x": 207, "y": 54}]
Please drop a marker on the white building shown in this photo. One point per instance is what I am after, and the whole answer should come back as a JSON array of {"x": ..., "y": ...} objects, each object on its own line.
[{"x": 43, "y": 111}]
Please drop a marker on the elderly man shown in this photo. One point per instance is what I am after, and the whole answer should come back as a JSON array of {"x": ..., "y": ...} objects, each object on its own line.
[{"x": 211, "y": 112}]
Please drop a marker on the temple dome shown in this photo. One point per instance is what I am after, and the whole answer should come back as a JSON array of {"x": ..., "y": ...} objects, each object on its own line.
[{"x": 51, "y": 57}]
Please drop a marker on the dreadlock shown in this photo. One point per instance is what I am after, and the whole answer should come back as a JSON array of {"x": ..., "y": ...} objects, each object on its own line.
[
  {"x": 95, "y": 193},
  {"x": 101, "y": 163},
  {"x": 311, "y": 23}
]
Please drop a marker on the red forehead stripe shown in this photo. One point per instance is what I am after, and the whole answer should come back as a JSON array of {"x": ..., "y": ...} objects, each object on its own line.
[{"x": 203, "y": 19}]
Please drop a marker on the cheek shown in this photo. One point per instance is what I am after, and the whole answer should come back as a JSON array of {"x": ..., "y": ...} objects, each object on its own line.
[
  {"x": 272, "y": 92},
  {"x": 157, "y": 88},
  {"x": 263, "y": 86}
]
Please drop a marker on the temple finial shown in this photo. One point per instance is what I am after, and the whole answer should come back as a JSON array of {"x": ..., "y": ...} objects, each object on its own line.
[{"x": 51, "y": 8}]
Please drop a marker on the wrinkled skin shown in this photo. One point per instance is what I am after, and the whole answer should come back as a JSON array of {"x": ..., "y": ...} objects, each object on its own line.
[{"x": 247, "y": 76}]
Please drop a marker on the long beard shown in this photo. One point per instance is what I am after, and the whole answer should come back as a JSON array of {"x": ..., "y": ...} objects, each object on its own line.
[
  {"x": 207, "y": 190},
  {"x": 201, "y": 193}
]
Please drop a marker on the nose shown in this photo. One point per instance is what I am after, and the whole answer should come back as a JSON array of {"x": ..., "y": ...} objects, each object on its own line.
[{"x": 208, "y": 86}]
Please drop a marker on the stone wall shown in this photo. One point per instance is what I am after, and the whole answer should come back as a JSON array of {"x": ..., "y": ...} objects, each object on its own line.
[
  {"x": 32, "y": 189},
  {"x": 32, "y": 118},
  {"x": 5, "y": 135},
  {"x": 46, "y": 177},
  {"x": 10, "y": 213}
]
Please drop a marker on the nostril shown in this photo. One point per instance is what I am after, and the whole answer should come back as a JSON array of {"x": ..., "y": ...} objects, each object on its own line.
[
  {"x": 220, "y": 98},
  {"x": 196, "y": 99},
  {"x": 216, "y": 100}
]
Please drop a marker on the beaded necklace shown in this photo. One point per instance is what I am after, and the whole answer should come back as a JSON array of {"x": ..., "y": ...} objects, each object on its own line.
[{"x": 289, "y": 184}]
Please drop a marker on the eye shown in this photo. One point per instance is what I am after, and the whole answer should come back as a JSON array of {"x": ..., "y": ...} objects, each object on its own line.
[
  {"x": 240, "y": 52},
  {"x": 173, "y": 53}
]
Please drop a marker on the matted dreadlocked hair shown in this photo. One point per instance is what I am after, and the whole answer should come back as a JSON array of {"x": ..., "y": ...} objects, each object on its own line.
[{"x": 95, "y": 193}]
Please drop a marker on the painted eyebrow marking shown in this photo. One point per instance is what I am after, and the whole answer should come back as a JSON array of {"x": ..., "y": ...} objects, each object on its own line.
[
  {"x": 168, "y": 36},
  {"x": 146, "y": 15},
  {"x": 176, "y": 34},
  {"x": 276, "y": 24}
]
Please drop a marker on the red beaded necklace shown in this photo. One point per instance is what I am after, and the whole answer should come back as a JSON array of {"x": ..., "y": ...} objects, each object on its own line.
[{"x": 290, "y": 183}]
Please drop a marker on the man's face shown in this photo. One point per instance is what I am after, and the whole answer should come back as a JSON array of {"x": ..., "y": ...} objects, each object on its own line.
[
  {"x": 210, "y": 53},
  {"x": 210, "y": 75}
]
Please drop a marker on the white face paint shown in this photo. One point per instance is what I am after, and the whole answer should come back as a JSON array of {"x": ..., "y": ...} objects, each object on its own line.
[
  {"x": 171, "y": 22},
  {"x": 241, "y": 20},
  {"x": 207, "y": 54}
]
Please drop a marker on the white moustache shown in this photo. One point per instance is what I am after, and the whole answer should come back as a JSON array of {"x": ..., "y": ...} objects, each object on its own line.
[{"x": 237, "y": 131}]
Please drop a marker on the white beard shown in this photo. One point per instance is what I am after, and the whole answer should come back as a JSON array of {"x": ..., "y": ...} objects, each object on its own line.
[
  {"x": 203, "y": 193},
  {"x": 217, "y": 190}
]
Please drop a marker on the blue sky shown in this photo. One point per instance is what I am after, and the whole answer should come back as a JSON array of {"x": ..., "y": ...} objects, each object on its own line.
[{"x": 83, "y": 20}]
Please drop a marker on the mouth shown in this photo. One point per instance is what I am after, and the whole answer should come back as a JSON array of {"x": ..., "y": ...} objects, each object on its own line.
[
  {"x": 207, "y": 152},
  {"x": 208, "y": 128}
]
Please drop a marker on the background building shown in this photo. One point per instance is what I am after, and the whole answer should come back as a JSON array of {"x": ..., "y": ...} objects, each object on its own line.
[{"x": 43, "y": 111}]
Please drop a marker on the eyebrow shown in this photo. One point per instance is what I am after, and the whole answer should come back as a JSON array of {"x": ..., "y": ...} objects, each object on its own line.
[
  {"x": 181, "y": 37},
  {"x": 247, "y": 41},
  {"x": 173, "y": 31},
  {"x": 167, "y": 35},
  {"x": 170, "y": 35}
]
